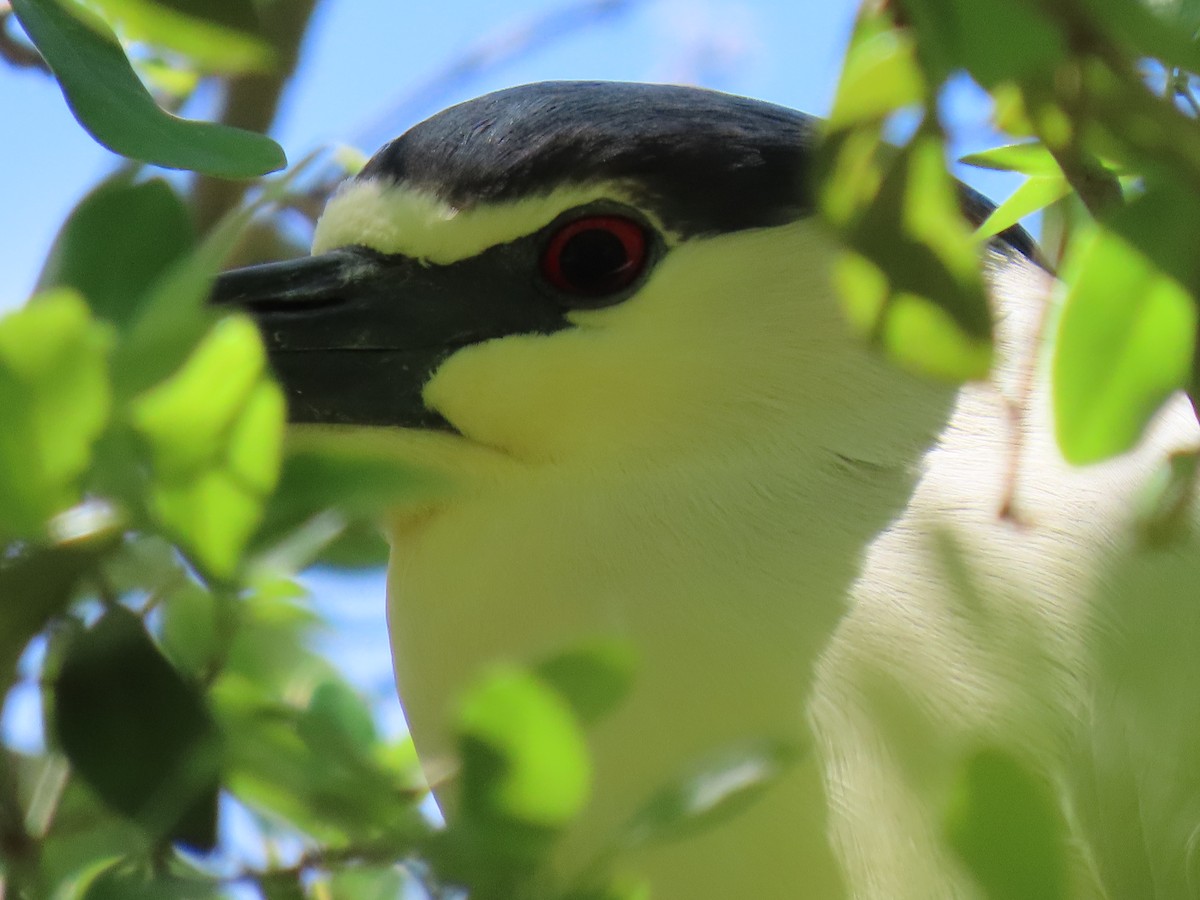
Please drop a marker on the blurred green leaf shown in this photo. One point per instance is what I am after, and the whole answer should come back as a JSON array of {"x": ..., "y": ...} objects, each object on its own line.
[
  {"x": 137, "y": 733},
  {"x": 214, "y": 429},
  {"x": 879, "y": 76},
  {"x": 713, "y": 793},
  {"x": 1127, "y": 331},
  {"x": 994, "y": 40},
  {"x": 1034, "y": 194},
  {"x": 1027, "y": 157},
  {"x": 117, "y": 242},
  {"x": 35, "y": 585},
  {"x": 523, "y": 755},
  {"x": 1005, "y": 825},
  {"x": 910, "y": 279},
  {"x": 54, "y": 403},
  {"x": 361, "y": 473},
  {"x": 135, "y": 879},
  {"x": 112, "y": 105},
  {"x": 207, "y": 44},
  {"x": 593, "y": 679},
  {"x": 367, "y": 883},
  {"x": 189, "y": 629}
]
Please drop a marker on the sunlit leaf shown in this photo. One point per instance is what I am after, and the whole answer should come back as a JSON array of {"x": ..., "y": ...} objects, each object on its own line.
[
  {"x": 54, "y": 402},
  {"x": 214, "y": 430},
  {"x": 1005, "y": 825},
  {"x": 1125, "y": 341},
  {"x": 880, "y": 75},
  {"x": 1027, "y": 157},
  {"x": 1034, "y": 194},
  {"x": 210, "y": 45},
  {"x": 910, "y": 280},
  {"x": 523, "y": 755},
  {"x": 107, "y": 98},
  {"x": 117, "y": 242}
]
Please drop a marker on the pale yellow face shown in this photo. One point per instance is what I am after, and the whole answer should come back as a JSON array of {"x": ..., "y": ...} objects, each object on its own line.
[{"x": 732, "y": 339}]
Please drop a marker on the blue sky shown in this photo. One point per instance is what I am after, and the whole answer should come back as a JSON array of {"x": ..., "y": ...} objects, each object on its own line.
[{"x": 372, "y": 67}]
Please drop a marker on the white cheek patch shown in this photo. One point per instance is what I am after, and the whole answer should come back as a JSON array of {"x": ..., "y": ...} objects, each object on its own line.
[{"x": 394, "y": 218}]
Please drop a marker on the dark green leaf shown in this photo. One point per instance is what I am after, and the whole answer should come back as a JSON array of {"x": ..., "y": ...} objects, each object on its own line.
[
  {"x": 994, "y": 40},
  {"x": 54, "y": 402},
  {"x": 713, "y": 793},
  {"x": 136, "y": 732},
  {"x": 108, "y": 100},
  {"x": 1005, "y": 825},
  {"x": 117, "y": 242},
  {"x": 593, "y": 679}
]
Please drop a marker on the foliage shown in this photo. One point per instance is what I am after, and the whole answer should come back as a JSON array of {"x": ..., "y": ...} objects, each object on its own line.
[{"x": 153, "y": 515}]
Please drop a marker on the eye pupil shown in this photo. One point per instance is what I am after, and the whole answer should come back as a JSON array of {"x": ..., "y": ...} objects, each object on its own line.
[
  {"x": 595, "y": 257},
  {"x": 594, "y": 261}
]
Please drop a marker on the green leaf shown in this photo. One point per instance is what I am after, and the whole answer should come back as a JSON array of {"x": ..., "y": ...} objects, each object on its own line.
[
  {"x": 523, "y": 755},
  {"x": 113, "y": 106},
  {"x": 1027, "y": 157},
  {"x": 210, "y": 45},
  {"x": 1124, "y": 344},
  {"x": 214, "y": 429},
  {"x": 593, "y": 679},
  {"x": 1005, "y": 825},
  {"x": 911, "y": 280},
  {"x": 713, "y": 793},
  {"x": 54, "y": 403},
  {"x": 117, "y": 242},
  {"x": 880, "y": 74},
  {"x": 368, "y": 883},
  {"x": 136, "y": 732},
  {"x": 994, "y": 40},
  {"x": 360, "y": 473},
  {"x": 1034, "y": 194}
]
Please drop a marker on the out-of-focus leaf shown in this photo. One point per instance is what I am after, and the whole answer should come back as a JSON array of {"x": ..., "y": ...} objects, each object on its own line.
[
  {"x": 338, "y": 716},
  {"x": 34, "y": 586},
  {"x": 116, "y": 242},
  {"x": 137, "y": 733},
  {"x": 1166, "y": 503},
  {"x": 1146, "y": 29},
  {"x": 1035, "y": 193},
  {"x": 362, "y": 474},
  {"x": 134, "y": 879},
  {"x": 1005, "y": 825},
  {"x": 367, "y": 883},
  {"x": 189, "y": 629},
  {"x": 714, "y": 793},
  {"x": 54, "y": 402},
  {"x": 210, "y": 45},
  {"x": 994, "y": 40},
  {"x": 593, "y": 679},
  {"x": 214, "y": 429},
  {"x": 1127, "y": 331},
  {"x": 1027, "y": 157},
  {"x": 523, "y": 756},
  {"x": 880, "y": 75},
  {"x": 110, "y": 102},
  {"x": 910, "y": 280}
]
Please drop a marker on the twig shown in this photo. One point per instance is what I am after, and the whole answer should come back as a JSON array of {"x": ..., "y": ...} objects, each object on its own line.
[{"x": 17, "y": 53}]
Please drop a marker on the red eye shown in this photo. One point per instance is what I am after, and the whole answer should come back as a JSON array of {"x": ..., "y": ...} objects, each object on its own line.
[{"x": 596, "y": 256}]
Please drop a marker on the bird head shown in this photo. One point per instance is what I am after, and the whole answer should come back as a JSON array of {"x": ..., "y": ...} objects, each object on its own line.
[{"x": 567, "y": 271}]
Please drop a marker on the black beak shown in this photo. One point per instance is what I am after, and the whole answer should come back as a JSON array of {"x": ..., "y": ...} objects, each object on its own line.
[{"x": 354, "y": 335}]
